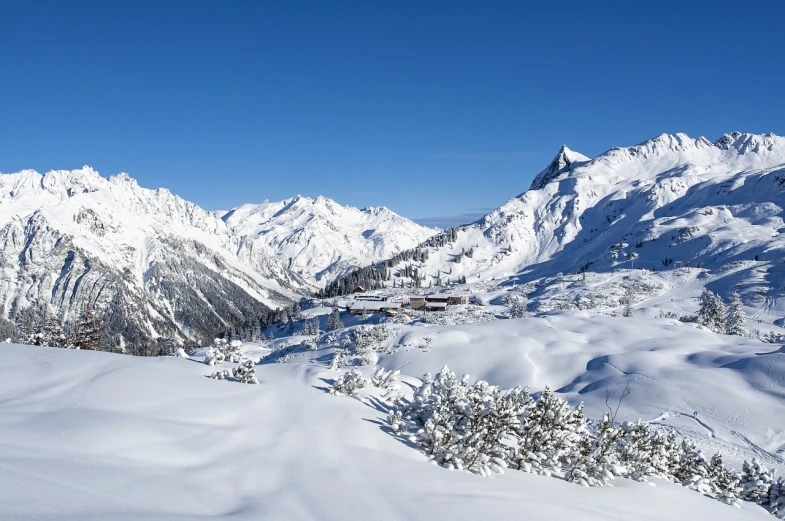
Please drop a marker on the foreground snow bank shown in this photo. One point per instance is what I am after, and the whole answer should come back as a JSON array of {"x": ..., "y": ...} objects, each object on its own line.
[{"x": 95, "y": 436}]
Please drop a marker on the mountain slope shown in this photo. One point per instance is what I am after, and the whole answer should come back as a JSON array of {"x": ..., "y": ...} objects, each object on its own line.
[
  {"x": 157, "y": 265},
  {"x": 672, "y": 200},
  {"x": 320, "y": 239}
]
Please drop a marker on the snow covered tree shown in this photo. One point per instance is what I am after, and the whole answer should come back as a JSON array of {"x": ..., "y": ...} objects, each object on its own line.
[
  {"x": 517, "y": 305},
  {"x": 334, "y": 320},
  {"x": 628, "y": 300},
  {"x": 349, "y": 383},
  {"x": 245, "y": 373},
  {"x": 777, "y": 498},
  {"x": 756, "y": 480},
  {"x": 463, "y": 426},
  {"x": 339, "y": 359},
  {"x": 712, "y": 312},
  {"x": 88, "y": 331},
  {"x": 736, "y": 319},
  {"x": 594, "y": 463},
  {"x": 549, "y": 430},
  {"x": 51, "y": 333},
  {"x": 388, "y": 382},
  {"x": 214, "y": 356},
  {"x": 221, "y": 375},
  {"x": 725, "y": 482}
]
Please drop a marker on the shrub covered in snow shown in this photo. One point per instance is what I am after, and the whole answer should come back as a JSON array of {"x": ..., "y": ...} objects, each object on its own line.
[
  {"x": 388, "y": 382},
  {"x": 756, "y": 480},
  {"x": 245, "y": 373},
  {"x": 214, "y": 356},
  {"x": 482, "y": 428},
  {"x": 348, "y": 383}
]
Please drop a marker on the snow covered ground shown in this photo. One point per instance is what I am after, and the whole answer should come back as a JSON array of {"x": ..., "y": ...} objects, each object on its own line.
[{"x": 95, "y": 436}]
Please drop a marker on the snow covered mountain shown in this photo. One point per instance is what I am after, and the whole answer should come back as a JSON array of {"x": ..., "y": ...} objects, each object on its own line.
[
  {"x": 319, "y": 239},
  {"x": 670, "y": 201},
  {"x": 158, "y": 265}
]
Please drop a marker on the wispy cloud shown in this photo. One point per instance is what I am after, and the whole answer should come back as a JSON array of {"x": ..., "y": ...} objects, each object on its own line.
[{"x": 481, "y": 156}]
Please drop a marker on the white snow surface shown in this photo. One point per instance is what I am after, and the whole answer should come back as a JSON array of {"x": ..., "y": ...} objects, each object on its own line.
[
  {"x": 94, "y": 436},
  {"x": 319, "y": 239}
]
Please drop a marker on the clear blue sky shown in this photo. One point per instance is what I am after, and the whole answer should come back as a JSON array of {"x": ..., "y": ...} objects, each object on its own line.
[{"x": 429, "y": 108}]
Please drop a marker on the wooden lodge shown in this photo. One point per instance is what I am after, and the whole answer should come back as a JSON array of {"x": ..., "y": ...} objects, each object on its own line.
[{"x": 366, "y": 307}]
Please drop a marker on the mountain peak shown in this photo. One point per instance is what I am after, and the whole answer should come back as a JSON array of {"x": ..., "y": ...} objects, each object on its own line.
[{"x": 564, "y": 161}]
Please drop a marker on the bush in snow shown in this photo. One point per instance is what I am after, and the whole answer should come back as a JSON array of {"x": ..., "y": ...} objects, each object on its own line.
[
  {"x": 371, "y": 336},
  {"x": 517, "y": 306},
  {"x": 339, "y": 359},
  {"x": 548, "y": 432},
  {"x": 214, "y": 356},
  {"x": 367, "y": 341},
  {"x": 221, "y": 375},
  {"x": 460, "y": 425},
  {"x": 777, "y": 498},
  {"x": 309, "y": 344},
  {"x": 725, "y": 482},
  {"x": 736, "y": 319},
  {"x": 348, "y": 383},
  {"x": 756, "y": 480},
  {"x": 387, "y": 381},
  {"x": 245, "y": 373},
  {"x": 232, "y": 351},
  {"x": 712, "y": 312}
]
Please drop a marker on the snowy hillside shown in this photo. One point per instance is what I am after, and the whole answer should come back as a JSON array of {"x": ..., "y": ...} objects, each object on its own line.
[
  {"x": 319, "y": 239},
  {"x": 158, "y": 265},
  {"x": 669, "y": 202},
  {"x": 83, "y": 440}
]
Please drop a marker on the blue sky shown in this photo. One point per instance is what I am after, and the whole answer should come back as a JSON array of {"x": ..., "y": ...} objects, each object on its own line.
[{"x": 429, "y": 108}]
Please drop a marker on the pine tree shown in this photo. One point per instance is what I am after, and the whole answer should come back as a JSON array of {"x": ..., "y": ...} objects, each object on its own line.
[
  {"x": 88, "y": 331},
  {"x": 736, "y": 319},
  {"x": 777, "y": 498},
  {"x": 725, "y": 481},
  {"x": 334, "y": 320},
  {"x": 756, "y": 480},
  {"x": 712, "y": 312},
  {"x": 548, "y": 434}
]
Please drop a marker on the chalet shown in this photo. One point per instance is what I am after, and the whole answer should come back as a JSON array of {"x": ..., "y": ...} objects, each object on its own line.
[
  {"x": 364, "y": 307},
  {"x": 372, "y": 298},
  {"x": 435, "y": 306},
  {"x": 358, "y": 289},
  {"x": 458, "y": 299},
  {"x": 417, "y": 302}
]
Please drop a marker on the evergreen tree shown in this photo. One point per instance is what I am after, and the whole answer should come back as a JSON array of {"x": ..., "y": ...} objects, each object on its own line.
[
  {"x": 88, "y": 331},
  {"x": 736, "y": 319},
  {"x": 334, "y": 320},
  {"x": 756, "y": 480},
  {"x": 712, "y": 312}
]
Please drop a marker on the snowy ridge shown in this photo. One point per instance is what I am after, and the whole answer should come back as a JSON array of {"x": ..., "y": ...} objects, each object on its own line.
[
  {"x": 72, "y": 239},
  {"x": 671, "y": 200},
  {"x": 319, "y": 239}
]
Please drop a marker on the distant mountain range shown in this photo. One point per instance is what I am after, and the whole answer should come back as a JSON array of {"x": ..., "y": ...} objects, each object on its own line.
[{"x": 161, "y": 267}]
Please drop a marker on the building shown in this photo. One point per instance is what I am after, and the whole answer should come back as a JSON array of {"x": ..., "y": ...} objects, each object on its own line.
[
  {"x": 458, "y": 299},
  {"x": 435, "y": 306},
  {"x": 417, "y": 302},
  {"x": 358, "y": 289},
  {"x": 372, "y": 298},
  {"x": 364, "y": 307},
  {"x": 438, "y": 298}
]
